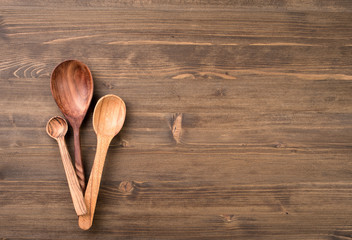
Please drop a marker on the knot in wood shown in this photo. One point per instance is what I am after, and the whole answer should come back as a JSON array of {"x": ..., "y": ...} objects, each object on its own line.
[
  {"x": 123, "y": 143},
  {"x": 227, "y": 217},
  {"x": 126, "y": 187},
  {"x": 176, "y": 127},
  {"x": 280, "y": 145}
]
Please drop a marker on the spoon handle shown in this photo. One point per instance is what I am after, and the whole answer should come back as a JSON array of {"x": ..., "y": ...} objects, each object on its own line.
[
  {"x": 92, "y": 191},
  {"x": 75, "y": 189},
  {"x": 78, "y": 159}
]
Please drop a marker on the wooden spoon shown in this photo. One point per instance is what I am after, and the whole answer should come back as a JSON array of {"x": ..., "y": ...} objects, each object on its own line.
[
  {"x": 108, "y": 118},
  {"x": 57, "y": 128},
  {"x": 72, "y": 88}
]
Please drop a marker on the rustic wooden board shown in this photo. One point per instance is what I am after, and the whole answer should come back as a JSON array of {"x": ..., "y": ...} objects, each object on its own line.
[{"x": 239, "y": 118}]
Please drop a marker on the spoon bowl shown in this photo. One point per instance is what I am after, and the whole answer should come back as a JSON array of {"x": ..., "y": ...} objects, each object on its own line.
[
  {"x": 72, "y": 88},
  {"x": 56, "y": 127},
  {"x": 109, "y": 115}
]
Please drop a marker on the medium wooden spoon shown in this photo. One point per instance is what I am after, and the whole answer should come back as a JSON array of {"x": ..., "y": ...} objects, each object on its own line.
[
  {"x": 57, "y": 128},
  {"x": 108, "y": 118},
  {"x": 72, "y": 88}
]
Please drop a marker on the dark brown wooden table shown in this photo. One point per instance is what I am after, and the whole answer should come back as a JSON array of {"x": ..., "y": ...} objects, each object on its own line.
[{"x": 239, "y": 118}]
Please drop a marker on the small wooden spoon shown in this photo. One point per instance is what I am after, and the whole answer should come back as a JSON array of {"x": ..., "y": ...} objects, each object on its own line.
[
  {"x": 57, "y": 128},
  {"x": 72, "y": 88},
  {"x": 108, "y": 118}
]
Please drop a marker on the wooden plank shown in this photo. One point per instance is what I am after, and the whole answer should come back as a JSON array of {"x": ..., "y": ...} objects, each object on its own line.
[
  {"x": 181, "y": 210},
  {"x": 288, "y": 5},
  {"x": 238, "y": 119}
]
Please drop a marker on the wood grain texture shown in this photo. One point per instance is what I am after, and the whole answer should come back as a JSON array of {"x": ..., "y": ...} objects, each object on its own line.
[{"x": 238, "y": 124}]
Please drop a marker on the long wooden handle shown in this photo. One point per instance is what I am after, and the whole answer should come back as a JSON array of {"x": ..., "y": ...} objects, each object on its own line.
[
  {"x": 73, "y": 184},
  {"x": 78, "y": 159},
  {"x": 92, "y": 191}
]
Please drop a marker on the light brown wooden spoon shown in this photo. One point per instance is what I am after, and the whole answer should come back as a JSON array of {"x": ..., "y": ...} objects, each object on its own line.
[
  {"x": 57, "y": 128},
  {"x": 108, "y": 118},
  {"x": 72, "y": 88}
]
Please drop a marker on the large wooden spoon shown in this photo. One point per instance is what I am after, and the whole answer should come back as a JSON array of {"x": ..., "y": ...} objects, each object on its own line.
[
  {"x": 108, "y": 118},
  {"x": 57, "y": 128},
  {"x": 72, "y": 88}
]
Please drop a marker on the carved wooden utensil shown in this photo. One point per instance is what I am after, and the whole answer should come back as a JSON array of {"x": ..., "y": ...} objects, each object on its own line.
[
  {"x": 108, "y": 118},
  {"x": 72, "y": 88},
  {"x": 57, "y": 128}
]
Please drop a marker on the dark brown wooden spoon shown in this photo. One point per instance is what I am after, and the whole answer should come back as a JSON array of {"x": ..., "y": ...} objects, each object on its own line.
[{"x": 72, "y": 88}]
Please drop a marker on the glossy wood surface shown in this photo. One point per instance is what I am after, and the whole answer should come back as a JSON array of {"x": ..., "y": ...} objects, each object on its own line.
[
  {"x": 238, "y": 122},
  {"x": 108, "y": 118},
  {"x": 57, "y": 128},
  {"x": 72, "y": 88}
]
